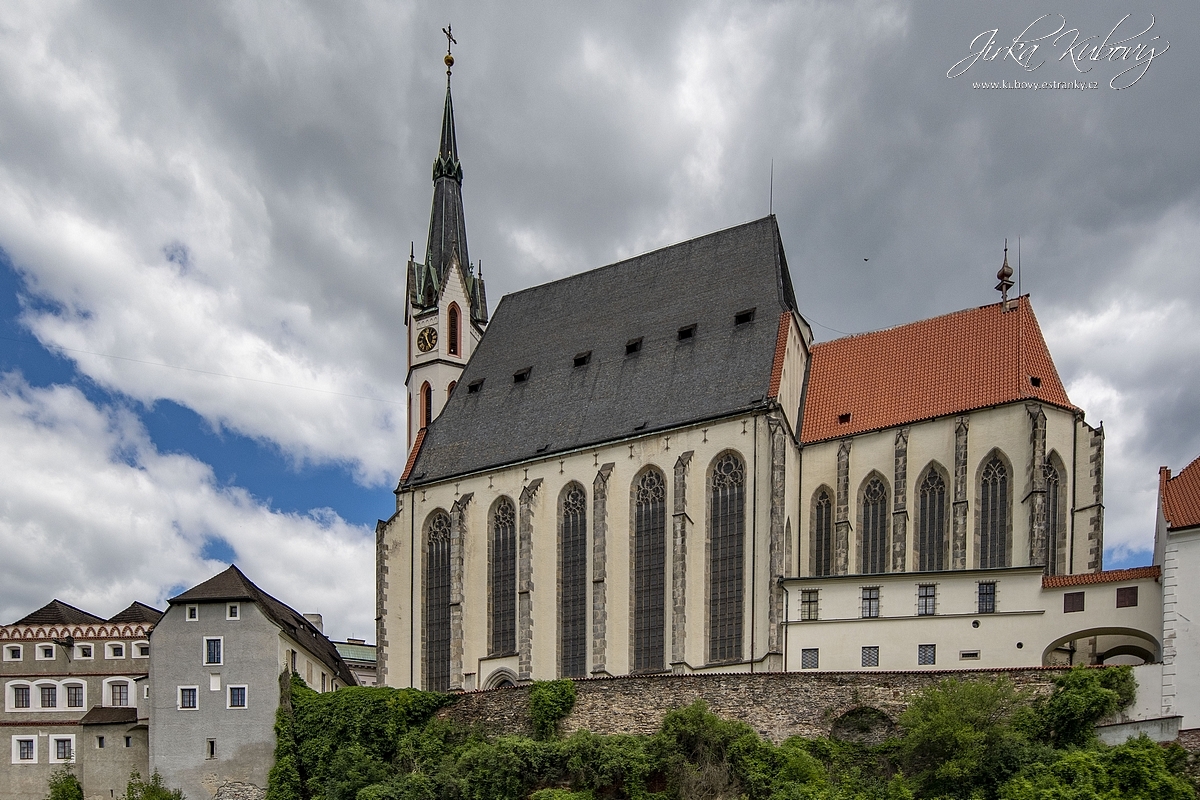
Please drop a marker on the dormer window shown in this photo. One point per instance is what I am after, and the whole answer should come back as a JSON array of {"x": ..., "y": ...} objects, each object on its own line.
[
  {"x": 633, "y": 346},
  {"x": 521, "y": 376},
  {"x": 1035, "y": 381},
  {"x": 844, "y": 419},
  {"x": 474, "y": 386},
  {"x": 582, "y": 359},
  {"x": 742, "y": 317},
  {"x": 687, "y": 332}
]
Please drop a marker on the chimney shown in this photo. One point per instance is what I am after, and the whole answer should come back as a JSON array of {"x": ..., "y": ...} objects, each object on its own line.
[{"x": 316, "y": 621}]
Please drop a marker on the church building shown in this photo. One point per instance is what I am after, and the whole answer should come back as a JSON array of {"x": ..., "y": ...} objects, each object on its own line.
[{"x": 651, "y": 467}]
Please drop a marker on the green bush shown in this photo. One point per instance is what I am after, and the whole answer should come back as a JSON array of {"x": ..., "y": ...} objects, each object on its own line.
[
  {"x": 1081, "y": 697},
  {"x": 63, "y": 785},
  {"x": 549, "y": 704},
  {"x": 153, "y": 789}
]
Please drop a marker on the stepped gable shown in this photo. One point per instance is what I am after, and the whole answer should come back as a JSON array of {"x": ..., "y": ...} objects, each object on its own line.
[
  {"x": 960, "y": 362},
  {"x": 723, "y": 369},
  {"x": 1180, "y": 496},
  {"x": 56, "y": 612},
  {"x": 232, "y": 584},
  {"x": 137, "y": 613}
]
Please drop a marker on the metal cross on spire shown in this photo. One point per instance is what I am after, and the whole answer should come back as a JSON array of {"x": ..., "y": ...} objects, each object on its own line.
[{"x": 449, "y": 59}]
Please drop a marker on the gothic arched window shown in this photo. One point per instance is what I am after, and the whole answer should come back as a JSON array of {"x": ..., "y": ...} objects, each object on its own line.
[
  {"x": 931, "y": 530},
  {"x": 572, "y": 584},
  {"x": 1054, "y": 531},
  {"x": 503, "y": 583},
  {"x": 452, "y": 346},
  {"x": 822, "y": 534},
  {"x": 426, "y": 405},
  {"x": 649, "y": 570},
  {"x": 726, "y": 562},
  {"x": 873, "y": 552},
  {"x": 437, "y": 603},
  {"x": 993, "y": 515}
]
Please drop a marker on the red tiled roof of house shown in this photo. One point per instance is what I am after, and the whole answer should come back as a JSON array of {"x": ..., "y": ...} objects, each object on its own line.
[
  {"x": 1108, "y": 576},
  {"x": 781, "y": 340},
  {"x": 412, "y": 454},
  {"x": 1181, "y": 497},
  {"x": 971, "y": 359}
]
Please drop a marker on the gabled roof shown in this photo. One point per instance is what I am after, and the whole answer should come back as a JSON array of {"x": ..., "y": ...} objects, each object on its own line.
[
  {"x": 723, "y": 369},
  {"x": 232, "y": 584},
  {"x": 1107, "y": 576},
  {"x": 138, "y": 612},
  {"x": 971, "y": 359},
  {"x": 56, "y": 612},
  {"x": 1180, "y": 496}
]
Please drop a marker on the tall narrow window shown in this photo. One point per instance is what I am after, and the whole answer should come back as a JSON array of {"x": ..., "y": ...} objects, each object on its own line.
[
  {"x": 926, "y": 600},
  {"x": 426, "y": 404},
  {"x": 823, "y": 534},
  {"x": 119, "y": 693},
  {"x": 1053, "y": 531},
  {"x": 993, "y": 515},
  {"x": 504, "y": 578},
  {"x": 873, "y": 556},
  {"x": 649, "y": 571},
  {"x": 453, "y": 345},
  {"x": 572, "y": 576},
  {"x": 726, "y": 559},
  {"x": 931, "y": 533},
  {"x": 437, "y": 603}
]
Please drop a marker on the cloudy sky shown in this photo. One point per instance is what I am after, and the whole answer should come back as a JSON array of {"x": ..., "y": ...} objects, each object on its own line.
[{"x": 205, "y": 210}]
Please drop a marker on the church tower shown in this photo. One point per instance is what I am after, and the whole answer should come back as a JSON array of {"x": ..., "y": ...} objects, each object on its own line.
[{"x": 446, "y": 308}]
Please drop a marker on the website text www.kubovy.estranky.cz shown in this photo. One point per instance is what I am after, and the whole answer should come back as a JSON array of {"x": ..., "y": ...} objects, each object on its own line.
[{"x": 1035, "y": 85}]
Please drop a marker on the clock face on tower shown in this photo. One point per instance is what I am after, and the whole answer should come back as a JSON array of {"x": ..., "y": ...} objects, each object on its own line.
[{"x": 427, "y": 339}]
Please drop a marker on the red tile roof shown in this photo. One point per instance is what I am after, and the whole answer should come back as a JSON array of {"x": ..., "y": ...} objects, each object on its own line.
[
  {"x": 971, "y": 359},
  {"x": 1180, "y": 496},
  {"x": 412, "y": 454},
  {"x": 781, "y": 340},
  {"x": 1108, "y": 576}
]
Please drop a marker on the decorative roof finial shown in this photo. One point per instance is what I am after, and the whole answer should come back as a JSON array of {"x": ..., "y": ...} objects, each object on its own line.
[
  {"x": 449, "y": 59},
  {"x": 1004, "y": 275}
]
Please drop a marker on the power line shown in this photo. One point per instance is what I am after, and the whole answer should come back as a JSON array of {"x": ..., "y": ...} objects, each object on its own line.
[{"x": 201, "y": 371}]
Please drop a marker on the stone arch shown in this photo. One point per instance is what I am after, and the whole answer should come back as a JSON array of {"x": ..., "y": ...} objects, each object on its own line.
[
  {"x": 502, "y": 576},
  {"x": 725, "y": 556},
  {"x": 872, "y": 535},
  {"x": 820, "y": 531},
  {"x": 502, "y": 678},
  {"x": 648, "y": 569},
  {"x": 1154, "y": 649},
  {"x": 1126, "y": 650},
  {"x": 931, "y": 544},
  {"x": 996, "y": 536},
  {"x": 863, "y": 725}
]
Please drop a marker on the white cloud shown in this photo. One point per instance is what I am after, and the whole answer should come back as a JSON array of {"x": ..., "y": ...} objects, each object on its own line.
[{"x": 93, "y": 514}]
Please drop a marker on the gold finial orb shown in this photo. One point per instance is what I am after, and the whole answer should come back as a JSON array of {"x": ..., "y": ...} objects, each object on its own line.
[{"x": 449, "y": 59}]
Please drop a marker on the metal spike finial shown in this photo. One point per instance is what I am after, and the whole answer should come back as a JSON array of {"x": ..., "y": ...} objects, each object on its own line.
[{"x": 1004, "y": 275}]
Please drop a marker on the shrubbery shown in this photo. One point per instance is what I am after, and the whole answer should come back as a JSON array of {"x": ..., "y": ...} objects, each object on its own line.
[{"x": 959, "y": 739}]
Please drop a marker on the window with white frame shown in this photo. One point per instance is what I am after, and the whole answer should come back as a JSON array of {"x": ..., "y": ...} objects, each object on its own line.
[
  {"x": 118, "y": 693},
  {"x": 18, "y": 695},
  {"x": 62, "y": 749},
  {"x": 810, "y": 658},
  {"x": 24, "y": 749},
  {"x": 188, "y": 698},
  {"x": 115, "y": 650},
  {"x": 48, "y": 696},
  {"x": 191, "y": 613},
  {"x": 13, "y": 652},
  {"x": 212, "y": 649},
  {"x": 140, "y": 650},
  {"x": 44, "y": 652},
  {"x": 237, "y": 697},
  {"x": 232, "y": 611},
  {"x": 76, "y": 694},
  {"x": 84, "y": 652}
]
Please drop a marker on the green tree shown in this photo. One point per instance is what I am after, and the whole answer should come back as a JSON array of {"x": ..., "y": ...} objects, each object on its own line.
[{"x": 64, "y": 786}]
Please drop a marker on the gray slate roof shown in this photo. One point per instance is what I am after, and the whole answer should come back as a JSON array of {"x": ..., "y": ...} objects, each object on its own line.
[
  {"x": 722, "y": 370},
  {"x": 56, "y": 612}
]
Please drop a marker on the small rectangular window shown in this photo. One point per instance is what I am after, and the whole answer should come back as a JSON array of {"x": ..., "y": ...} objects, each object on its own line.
[
  {"x": 192, "y": 614},
  {"x": 233, "y": 611},
  {"x": 474, "y": 386},
  {"x": 83, "y": 651},
  {"x": 809, "y": 604},
  {"x": 129, "y": 741},
  {"x": 582, "y": 359},
  {"x": 100, "y": 742},
  {"x": 1072, "y": 602},
  {"x": 143, "y": 651},
  {"x": 520, "y": 376},
  {"x": 12, "y": 653},
  {"x": 49, "y": 696},
  {"x": 870, "y": 656},
  {"x": 633, "y": 346},
  {"x": 45, "y": 652},
  {"x": 926, "y": 600},
  {"x": 188, "y": 697},
  {"x": 810, "y": 658},
  {"x": 968, "y": 655},
  {"x": 687, "y": 332},
  {"x": 74, "y": 697},
  {"x": 116, "y": 651},
  {"x": 237, "y": 696},
  {"x": 20, "y": 697},
  {"x": 844, "y": 419},
  {"x": 1127, "y": 597},
  {"x": 926, "y": 655},
  {"x": 1035, "y": 381},
  {"x": 212, "y": 651},
  {"x": 870, "y": 601},
  {"x": 62, "y": 749},
  {"x": 119, "y": 692},
  {"x": 987, "y": 598},
  {"x": 25, "y": 750},
  {"x": 211, "y": 749},
  {"x": 742, "y": 317}
]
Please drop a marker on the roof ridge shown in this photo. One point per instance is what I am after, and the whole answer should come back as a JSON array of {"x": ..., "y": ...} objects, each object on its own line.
[{"x": 1027, "y": 305}]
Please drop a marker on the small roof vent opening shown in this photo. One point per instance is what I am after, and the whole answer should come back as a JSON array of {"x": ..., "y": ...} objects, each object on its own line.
[
  {"x": 1035, "y": 381},
  {"x": 474, "y": 386},
  {"x": 582, "y": 359},
  {"x": 633, "y": 346},
  {"x": 687, "y": 332},
  {"x": 844, "y": 419},
  {"x": 522, "y": 375},
  {"x": 742, "y": 317}
]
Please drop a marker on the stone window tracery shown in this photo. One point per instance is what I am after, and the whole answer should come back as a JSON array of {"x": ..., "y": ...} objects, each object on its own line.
[
  {"x": 572, "y": 594},
  {"x": 437, "y": 603},
  {"x": 993, "y": 515},
  {"x": 504, "y": 578},
  {"x": 931, "y": 532},
  {"x": 873, "y": 555},
  {"x": 726, "y": 558},
  {"x": 823, "y": 534},
  {"x": 649, "y": 571}
]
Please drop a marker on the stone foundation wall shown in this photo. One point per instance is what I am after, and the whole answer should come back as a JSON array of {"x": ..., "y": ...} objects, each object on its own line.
[{"x": 777, "y": 705}]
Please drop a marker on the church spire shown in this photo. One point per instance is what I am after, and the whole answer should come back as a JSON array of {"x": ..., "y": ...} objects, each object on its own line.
[{"x": 447, "y": 222}]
